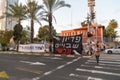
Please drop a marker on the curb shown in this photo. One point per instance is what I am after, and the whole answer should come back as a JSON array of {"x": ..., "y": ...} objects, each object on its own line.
[{"x": 44, "y": 54}]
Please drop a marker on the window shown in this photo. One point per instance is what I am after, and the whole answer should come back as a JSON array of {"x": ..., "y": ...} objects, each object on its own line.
[
  {"x": 73, "y": 33},
  {"x": 66, "y": 34}
]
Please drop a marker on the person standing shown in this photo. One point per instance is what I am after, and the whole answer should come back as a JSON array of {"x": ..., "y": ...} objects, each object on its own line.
[{"x": 97, "y": 54}]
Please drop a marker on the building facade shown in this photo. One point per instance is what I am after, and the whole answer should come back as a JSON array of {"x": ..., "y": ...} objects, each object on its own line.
[
  {"x": 97, "y": 33},
  {"x": 6, "y": 23}
]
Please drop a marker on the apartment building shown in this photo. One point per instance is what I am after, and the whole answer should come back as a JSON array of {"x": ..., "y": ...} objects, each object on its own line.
[{"x": 6, "y": 23}]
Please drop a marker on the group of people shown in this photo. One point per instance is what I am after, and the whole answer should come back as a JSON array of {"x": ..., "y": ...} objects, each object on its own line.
[{"x": 93, "y": 49}]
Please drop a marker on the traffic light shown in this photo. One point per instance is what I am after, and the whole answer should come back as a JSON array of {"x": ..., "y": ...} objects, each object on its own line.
[
  {"x": 93, "y": 16},
  {"x": 89, "y": 34}
]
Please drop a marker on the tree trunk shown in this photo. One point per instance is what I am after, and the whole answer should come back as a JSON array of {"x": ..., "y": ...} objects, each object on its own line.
[
  {"x": 50, "y": 30},
  {"x": 18, "y": 43},
  {"x": 32, "y": 30},
  {"x": 19, "y": 31}
]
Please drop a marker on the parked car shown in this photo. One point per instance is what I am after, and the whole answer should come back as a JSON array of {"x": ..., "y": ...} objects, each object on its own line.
[{"x": 112, "y": 50}]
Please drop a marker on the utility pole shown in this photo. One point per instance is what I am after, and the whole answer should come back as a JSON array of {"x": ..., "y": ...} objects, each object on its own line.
[
  {"x": 91, "y": 4},
  {"x": 90, "y": 20}
]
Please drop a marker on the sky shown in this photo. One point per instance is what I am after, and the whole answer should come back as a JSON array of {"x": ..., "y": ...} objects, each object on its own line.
[{"x": 71, "y": 18}]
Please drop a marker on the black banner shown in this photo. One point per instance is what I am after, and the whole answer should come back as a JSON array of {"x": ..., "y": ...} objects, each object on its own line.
[{"x": 66, "y": 44}]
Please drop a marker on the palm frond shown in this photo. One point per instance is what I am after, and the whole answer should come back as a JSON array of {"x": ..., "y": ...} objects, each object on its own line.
[
  {"x": 16, "y": 11},
  {"x": 53, "y": 5},
  {"x": 60, "y": 4}
]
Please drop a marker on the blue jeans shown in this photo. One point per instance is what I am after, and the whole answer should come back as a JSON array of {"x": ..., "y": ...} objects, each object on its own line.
[{"x": 97, "y": 59}]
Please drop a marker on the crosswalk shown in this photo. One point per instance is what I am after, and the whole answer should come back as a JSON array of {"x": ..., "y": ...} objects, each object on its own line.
[{"x": 107, "y": 69}]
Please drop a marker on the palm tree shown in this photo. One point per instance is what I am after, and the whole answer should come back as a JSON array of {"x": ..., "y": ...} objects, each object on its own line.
[
  {"x": 111, "y": 33},
  {"x": 18, "y": 12},
  {"x": 33, "y": 11},
  {"x": 113, "y": 24},
  {"x": 110, "y": 30},
  {"x": 50, "y": 7}
]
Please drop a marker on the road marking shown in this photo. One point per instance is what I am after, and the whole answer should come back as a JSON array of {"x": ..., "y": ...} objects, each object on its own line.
[
  {"x": 54, "y": 58},
  {"x": 91, "y": 66},
  {"x": 85, "y": 77},
  {"x": 111, "y": 57},
  {"x": 101, "y": 67},
  {"x": 74, "y": 60},
  {"x": 70, "y": 56},
  {"x": 33, "y": 63},
  {"x": 57, "y": 68},
  {"x": 104, "y": 59},
  {"x": 47, "y": 73},
  {"x": 37, "y": 63},
  {"x": 78, "y": 76},
  {"x": 93, "y": 78},
  {"x": 57, "y": 55},
  {"x": 68, "y": 63},
  {"x": 36, "y": 78},
  {"x": 29, "y": 70},
  {"x": 4, "y": 75},
  {"x": 105, "y": 62},
  {"x": 99, "y": 72},
  {"x": 86, "y": 56},
  {"x": 110, "y": 65},
  {"x": 98, "y": 67}
]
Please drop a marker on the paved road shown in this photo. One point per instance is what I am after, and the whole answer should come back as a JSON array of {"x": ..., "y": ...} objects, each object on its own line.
[
  {"x": 35, "y": 67},
  {"x": 108, "y": 69}
]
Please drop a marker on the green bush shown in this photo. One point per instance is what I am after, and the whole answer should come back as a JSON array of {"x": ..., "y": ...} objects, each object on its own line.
[{"x": 4, "y": 45}]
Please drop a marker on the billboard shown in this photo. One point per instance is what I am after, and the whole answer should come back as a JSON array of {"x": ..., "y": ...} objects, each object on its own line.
[{"x": 67, "y": 44}]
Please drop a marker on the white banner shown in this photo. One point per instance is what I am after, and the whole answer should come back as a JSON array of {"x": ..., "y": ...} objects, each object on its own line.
[{"x": 32, "y": 48}]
